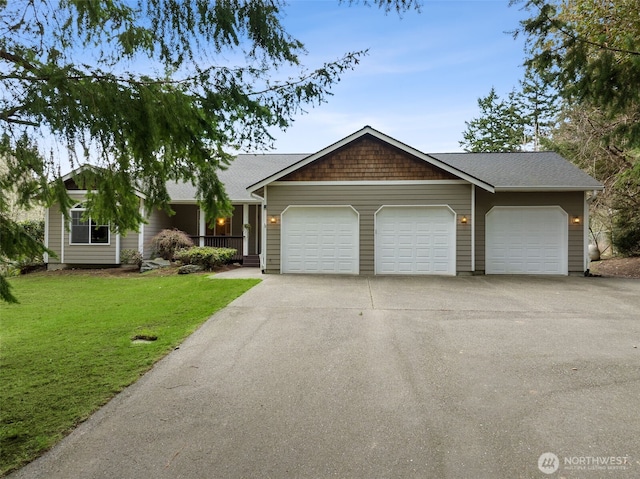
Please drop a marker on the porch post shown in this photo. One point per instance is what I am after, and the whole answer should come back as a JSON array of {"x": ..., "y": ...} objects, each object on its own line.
[
  {"x": 202, "y": 228},
  {"x": 62, "y": 241},
  {"x": 117, "y": 248},
  {"x": 245, "y": 232}
]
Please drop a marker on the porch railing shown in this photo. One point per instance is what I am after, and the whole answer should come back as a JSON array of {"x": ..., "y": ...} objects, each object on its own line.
[{"x": 234, "y": 242}]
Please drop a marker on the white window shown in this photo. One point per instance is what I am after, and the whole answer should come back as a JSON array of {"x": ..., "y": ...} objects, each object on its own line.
[{"x": 86, "y": 231}]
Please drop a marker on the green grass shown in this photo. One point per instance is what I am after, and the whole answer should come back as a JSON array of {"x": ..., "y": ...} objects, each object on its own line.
[{"x": 67, "y": 348}]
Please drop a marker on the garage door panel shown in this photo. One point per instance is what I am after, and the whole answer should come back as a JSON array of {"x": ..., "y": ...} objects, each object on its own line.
[
  {"x": 415, "y": 240},
  {"x": 320, "y": 240},
  {"x": 527, "y": 240}
]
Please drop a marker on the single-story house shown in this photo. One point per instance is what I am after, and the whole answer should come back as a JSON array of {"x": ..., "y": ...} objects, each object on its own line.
[{"x": 369, "y": 204}]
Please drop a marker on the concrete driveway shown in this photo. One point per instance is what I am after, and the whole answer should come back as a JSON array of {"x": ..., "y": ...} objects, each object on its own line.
[{"x": 384, "y": 377}]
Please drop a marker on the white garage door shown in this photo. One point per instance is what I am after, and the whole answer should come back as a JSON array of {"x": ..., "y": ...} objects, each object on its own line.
[
  {"x": 415, "y": 240},
  {"x": 323, "y": 239},
  {"x": 527, "y": 240}
]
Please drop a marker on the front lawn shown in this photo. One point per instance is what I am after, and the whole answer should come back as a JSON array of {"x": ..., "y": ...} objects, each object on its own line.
[{"x": 67, "y": 348}]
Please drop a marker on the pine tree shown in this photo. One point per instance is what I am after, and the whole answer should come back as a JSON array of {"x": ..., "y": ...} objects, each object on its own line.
[
  {"x": 499, "y": 128},
  {"x": 148, "y": 91},
  {"x": 590, "y": 51}
]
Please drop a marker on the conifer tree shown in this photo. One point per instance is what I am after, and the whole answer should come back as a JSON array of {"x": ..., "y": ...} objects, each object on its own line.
[{"x": 147, "y": 91}]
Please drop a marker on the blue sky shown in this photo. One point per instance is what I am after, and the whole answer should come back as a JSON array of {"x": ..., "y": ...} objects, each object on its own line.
[{"x": 422, "y": 77}]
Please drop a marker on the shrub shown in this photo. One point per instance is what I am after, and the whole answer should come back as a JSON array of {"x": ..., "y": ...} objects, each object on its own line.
[
  {"x": 625, "y": 233},
  {"x": 131, "y": 256},
  {"x": 35, "y": 228},
  {"x": 206, "y": 256},
  {"x": 626, "y": 238},
  {"x": 27, "y": 264},
  {"x": 167, "y": 242}
]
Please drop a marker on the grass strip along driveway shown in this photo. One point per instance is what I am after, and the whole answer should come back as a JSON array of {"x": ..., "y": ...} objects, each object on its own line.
[{"x": 68, "y": 347}]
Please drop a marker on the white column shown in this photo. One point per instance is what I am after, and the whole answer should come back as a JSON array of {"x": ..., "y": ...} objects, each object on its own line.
[
  {"x": 118, "y": 248},
  {"x": 62, "y": 241},
  {"x": 202, "y": 227},
  {"x": 256, "y": 221},
  {"x": 263, "y": 217},
  {"x": 245, "y": 232}
]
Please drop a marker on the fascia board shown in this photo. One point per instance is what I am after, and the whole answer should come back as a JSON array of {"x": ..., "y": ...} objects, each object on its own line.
[{"x": 505, "y": 189}]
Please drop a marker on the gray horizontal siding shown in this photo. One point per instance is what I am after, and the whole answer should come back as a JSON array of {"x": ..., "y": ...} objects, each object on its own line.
[
  {"x": 367, "y": 199},
  {"x": 571, "y": 202},
  {"x": 157, "y": 221},
  {"x": 91, "y": 254},
  {"x": 55, "y": 233},
  {"x": 67, "y": 253},
  {"x": 76, "y": 254},
  {"x": 130, "y": 241}
]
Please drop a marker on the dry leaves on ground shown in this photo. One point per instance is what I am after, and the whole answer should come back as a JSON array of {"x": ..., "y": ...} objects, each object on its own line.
[{"x": 617, "y": 267}]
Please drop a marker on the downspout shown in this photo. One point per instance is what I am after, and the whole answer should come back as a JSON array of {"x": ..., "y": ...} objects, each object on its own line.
[
  {"x": 45, "y": 256},
  {"x": 473, "y": 228}
]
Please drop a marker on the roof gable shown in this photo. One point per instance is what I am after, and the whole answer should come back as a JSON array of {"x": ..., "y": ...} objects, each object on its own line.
[
  {"x": 85, "y": 178},
  {"x": 367, "y": 158},
  {"x": 84, "y": 174},
  {"x": 430, "y": 163}
]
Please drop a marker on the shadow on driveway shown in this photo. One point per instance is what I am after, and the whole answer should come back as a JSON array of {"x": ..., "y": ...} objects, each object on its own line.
[{"x": 356, "y": 377}]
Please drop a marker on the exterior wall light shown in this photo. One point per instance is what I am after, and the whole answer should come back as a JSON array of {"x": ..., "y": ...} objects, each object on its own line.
[
  {"x": 221, "y": 221},
  {"x": 575, "y": 220},
  {"x": 273, "y": 220},
  {"x": 463, "y": 220}
]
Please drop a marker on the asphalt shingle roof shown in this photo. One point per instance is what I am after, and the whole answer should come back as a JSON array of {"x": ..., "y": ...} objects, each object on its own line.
[
  {"x": 244, "y": 171},
  {"x": 524, "y": 170},
  {"x": 503, "y": 171}
]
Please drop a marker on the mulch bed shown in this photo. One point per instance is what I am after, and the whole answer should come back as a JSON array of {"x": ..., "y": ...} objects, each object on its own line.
[{"x": 617, "y": 267}]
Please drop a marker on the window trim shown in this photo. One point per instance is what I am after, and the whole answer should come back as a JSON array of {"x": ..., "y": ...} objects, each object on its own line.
[{"x": 81, "y": 207}]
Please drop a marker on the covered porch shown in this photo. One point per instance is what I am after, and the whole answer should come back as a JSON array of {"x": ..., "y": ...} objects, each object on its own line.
[{"x": 240, "y": 231}]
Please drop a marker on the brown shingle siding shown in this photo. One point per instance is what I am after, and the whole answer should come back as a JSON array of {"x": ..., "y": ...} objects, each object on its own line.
[{"x": 368, "y": 159}]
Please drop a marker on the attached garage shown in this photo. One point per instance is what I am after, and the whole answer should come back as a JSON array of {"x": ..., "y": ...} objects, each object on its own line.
[
  {"x": 415, "y": 240},
  {"x": 320, "y": 240},
  {"x": 413, "y": 213},
  {"x": 527, "y": 240}
]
